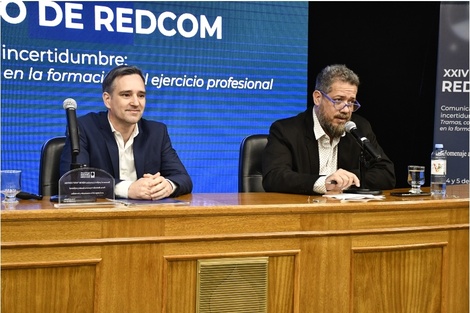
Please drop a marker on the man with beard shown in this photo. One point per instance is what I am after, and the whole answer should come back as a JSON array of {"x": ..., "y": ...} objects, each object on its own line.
[{"x": 312, "y": 154}]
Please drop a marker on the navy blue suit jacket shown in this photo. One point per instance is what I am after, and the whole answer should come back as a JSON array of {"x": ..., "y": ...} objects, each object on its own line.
[
  {"x": 291, "y": 161},
  {"x": 153, "y": 151}
]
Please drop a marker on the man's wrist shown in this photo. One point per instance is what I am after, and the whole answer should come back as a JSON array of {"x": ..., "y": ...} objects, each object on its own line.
[
  {"x": 319, "y": 186},
  {"x": 121, "y": 189},
  {"x": 173, "y": 186}
]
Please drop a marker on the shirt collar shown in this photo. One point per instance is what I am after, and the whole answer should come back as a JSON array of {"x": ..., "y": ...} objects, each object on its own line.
[{"x": 317, "y": 129}]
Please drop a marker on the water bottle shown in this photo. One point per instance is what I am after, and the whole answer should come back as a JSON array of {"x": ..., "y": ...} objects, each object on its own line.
[{"x": 438, "y": 171}]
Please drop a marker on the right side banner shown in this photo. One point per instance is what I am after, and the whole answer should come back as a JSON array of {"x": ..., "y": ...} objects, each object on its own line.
[{"x": 451, "y": 121}]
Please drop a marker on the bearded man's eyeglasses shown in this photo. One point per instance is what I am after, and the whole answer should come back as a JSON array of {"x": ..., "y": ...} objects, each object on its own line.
[{"x": 341, "y": 104}]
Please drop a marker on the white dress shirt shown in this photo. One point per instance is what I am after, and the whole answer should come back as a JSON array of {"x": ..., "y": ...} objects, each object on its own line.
[
  {"x": 127, "y": 171},
  {"x": 328, "y": 152}
]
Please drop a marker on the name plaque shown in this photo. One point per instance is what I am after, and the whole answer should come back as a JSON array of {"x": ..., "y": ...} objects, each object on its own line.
[{"x": 86, "y": 184}]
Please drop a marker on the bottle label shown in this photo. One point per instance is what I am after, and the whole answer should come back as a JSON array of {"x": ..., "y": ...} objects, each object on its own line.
[{"x": 438, "y": 167}]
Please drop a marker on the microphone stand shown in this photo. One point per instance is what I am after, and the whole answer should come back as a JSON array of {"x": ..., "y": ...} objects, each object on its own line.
[
  {"x": 74, "y": 163},
  {"x": 363, "y": 164},
  {"x": 75, "y": 177},
  {"x": 75, "y": 151}
]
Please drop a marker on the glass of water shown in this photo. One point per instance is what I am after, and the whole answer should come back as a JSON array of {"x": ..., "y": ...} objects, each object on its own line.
[
  {"x": 415, "y": 178},
  {"x": 10, "y": 185}
]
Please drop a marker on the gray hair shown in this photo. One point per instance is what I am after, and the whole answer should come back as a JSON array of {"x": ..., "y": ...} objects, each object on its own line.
[{"x": 334, "y": 73}]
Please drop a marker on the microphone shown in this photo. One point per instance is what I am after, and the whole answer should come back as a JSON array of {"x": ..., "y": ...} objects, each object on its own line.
[
  {"x": 70, "y": 106},
  {"x": 351, "y": 128}
]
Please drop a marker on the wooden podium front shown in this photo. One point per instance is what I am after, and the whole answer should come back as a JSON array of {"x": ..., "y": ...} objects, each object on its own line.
[{"x": 250, "y": 252}]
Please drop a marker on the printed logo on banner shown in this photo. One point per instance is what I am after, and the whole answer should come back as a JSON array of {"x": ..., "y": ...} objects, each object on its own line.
[{"x": 106, "y": 22}]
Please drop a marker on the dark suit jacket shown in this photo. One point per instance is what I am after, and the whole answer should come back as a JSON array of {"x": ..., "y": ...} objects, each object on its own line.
[
  {"x": 153, "y": 151},
  {"x": 291, "y": 164}
]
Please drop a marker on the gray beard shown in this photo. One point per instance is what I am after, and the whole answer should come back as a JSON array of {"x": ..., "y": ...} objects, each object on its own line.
[{"x": 330, "y": 129}]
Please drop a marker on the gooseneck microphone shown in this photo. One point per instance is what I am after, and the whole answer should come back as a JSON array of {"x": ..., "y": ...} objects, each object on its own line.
[
  {"x": 351, "y": 128},
  {"x": 70, "y": 106},
  {"x": 365, "y": 144}
]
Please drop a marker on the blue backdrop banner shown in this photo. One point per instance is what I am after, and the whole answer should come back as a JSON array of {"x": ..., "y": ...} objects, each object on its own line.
[{"x": 215, "y": 73}]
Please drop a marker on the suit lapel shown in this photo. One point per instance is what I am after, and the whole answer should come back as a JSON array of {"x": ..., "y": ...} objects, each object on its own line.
[
  {"x": 312, "y": 145},
  {"x": 139, "y": 145},
  {"x": 110, "y": 142}
]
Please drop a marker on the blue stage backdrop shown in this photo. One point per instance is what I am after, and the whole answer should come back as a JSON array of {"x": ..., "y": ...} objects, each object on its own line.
[{"x": 215, "y": 73}]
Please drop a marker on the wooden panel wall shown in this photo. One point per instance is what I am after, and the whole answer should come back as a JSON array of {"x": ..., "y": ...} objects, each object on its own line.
[{"x": 358, "y": 259}]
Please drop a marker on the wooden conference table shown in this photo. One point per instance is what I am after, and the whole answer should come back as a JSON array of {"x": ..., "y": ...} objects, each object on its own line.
[{"x": 251, "y": 252}]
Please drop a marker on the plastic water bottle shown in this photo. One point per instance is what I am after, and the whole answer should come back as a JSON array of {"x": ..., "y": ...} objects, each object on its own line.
[{"x": 438, "y": 171}]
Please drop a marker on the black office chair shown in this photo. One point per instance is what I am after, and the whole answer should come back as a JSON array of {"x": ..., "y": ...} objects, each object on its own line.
[
  {"x": 49, "y": 172},
  {"x": 250, "y": 177}
]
